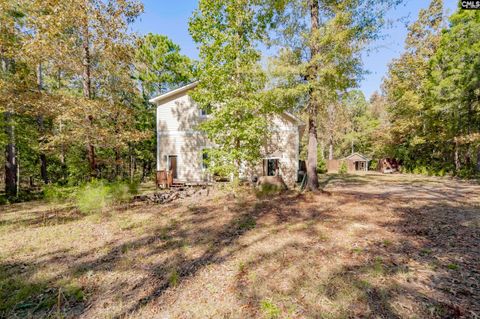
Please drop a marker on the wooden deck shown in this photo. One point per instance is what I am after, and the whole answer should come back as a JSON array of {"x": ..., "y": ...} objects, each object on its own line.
[{"x": 178, "y": 183}]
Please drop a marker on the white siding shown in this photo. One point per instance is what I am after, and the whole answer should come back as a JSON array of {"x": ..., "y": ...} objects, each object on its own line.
[
  {"x": 177, "y": 134},
  {"x": 283, "y": 143}
]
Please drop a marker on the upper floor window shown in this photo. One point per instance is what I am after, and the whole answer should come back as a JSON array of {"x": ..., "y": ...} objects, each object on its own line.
[{"x": 205, "y": 111}]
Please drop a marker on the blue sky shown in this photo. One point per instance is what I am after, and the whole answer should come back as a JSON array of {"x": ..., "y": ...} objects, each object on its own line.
[{"x": 171, "y": 18}]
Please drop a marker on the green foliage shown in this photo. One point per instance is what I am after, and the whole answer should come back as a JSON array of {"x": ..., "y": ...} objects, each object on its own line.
[
  {"x": 321, "y": 166},
  {"x": 92, "y": 197},
  {"x": 43, "y": 87},
  {"x": 270, "y": 310},
  {"x": 159, "y": 64},
  {"x": 55, "y": 193},
  {"x": 343, "y": 168},
  {"x": 24, "y": 297},
  {"x": 174, "y": 278},
  {"x": 267, "y": 189},
  {"x": 321, "y": 163},
  {"x": 231, "y": 81},
  {"x": 95, "y": 196},
  {"x": 119, "y": 192},
  {"x": 452, "y": 266},
  {"x": 246, "y": 223},
  {"x": 432, "y": 91},
  {"x": 4, "y": 200},
  {"x": 358, "y": 126}
]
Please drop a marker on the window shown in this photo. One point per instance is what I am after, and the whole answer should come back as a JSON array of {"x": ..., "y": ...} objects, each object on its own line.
[
  {"x": 205, "y": 158},
  {"x": 204, "y": 112},
  {"x": 271, "y": 167}
]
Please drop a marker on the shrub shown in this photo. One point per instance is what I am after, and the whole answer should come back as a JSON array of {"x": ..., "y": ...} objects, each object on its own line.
[
  {"x": 420, "y": 170},
  {"x": 373, "y": 165},
  {"x": 93, "y": 197},
  {"x": 133, "y": 187},
  {"x": 4, "y": 200},
  {"x": 246, "y": 223},
  {"x": 343, "y": 168},
  {"x": 269, "y": 309},
  {"x": 57, "y": 194},
  {"x": 268, "y": 189},
  {"x": 174, "y": 278},
  {"x": 466, "y": 172},
  {"x": 321, "y": 166},
  {"x": 119, "y": 193},
  {"x": 423, "y": 170}
]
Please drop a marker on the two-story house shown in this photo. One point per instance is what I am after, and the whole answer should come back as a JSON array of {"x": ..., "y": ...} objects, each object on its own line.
[{"x": 180, "y": 144}]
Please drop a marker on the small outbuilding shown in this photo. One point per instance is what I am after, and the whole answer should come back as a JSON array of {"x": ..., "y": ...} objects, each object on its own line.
[
  {"x": 359, "y": 161},
  {"x": 355, "y": 162},
  {"x": 388, "y": 165}
]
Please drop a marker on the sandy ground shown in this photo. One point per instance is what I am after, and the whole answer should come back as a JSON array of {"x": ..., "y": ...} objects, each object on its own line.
[{"x": 370, "y": 246}]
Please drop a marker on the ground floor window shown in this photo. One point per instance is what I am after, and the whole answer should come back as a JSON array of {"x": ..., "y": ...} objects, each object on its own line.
[
  {"x": 360, "y": 166},
  {"x": 271, "y": 166},
  {"x": 205, "y": 158}
]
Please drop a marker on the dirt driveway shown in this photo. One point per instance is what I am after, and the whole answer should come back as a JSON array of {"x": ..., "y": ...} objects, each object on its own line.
[{"x": 372, "y": 246}]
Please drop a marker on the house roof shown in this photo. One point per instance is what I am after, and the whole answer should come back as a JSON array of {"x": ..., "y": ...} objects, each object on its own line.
[
  {"x": 293, "y": 118},
  {"x": 168, "y": 94},
  {"x": 357, "y": 155},
  {"x": 191, "y": 86}
]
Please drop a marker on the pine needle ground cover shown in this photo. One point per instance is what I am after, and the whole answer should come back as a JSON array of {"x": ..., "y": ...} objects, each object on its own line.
[{"x": 398, "y": 246}]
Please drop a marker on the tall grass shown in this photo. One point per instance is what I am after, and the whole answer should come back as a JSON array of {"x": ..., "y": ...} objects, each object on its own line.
[{"x": 92, "y": 197}]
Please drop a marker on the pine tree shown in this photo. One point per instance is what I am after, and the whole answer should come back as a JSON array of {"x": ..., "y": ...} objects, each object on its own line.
[
  {"x": 406, "y": 92},
  {"x": 320, "y": 57}
]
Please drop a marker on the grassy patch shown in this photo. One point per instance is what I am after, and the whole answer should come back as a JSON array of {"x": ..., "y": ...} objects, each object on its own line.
[
  {"x": 174, "y": 278},
  {"x": 266, "y": 190},
  {"x": 26, "y": 298},
  {"x": 269, "y": 309},
  {"x": 453, "y": 266},
  {"x": 246, "y": 223},
  {"x": 92, "y": 198}
]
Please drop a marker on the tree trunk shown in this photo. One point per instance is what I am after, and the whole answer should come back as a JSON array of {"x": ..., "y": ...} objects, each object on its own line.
[
  {"x": 43, "y": 168},
  {"x": 330, "y": 150},
  {"x": 144, "y": 171},
  {"x": 87, "y": 93},
  {"x": 131, "y": 164},
  {"x": 478, "y": 158},
  {"x": 117, "y": 163},
  {"x": 11, "y": 177},
  {"x": 312, "y": 177},
  {"x": 41, "y": 128},
  {"x": 18, "y": 169},
  {"x": 457, "y": 158}
]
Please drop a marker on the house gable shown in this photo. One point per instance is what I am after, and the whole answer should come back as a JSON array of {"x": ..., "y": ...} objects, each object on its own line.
[{"x": 357, "y": 157}]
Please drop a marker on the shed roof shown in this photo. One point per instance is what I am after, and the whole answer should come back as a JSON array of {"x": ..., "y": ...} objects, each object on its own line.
[{"x": 357, "y": 157}]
